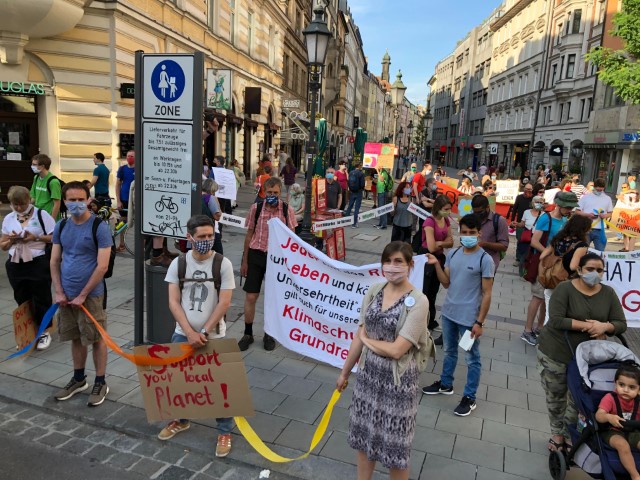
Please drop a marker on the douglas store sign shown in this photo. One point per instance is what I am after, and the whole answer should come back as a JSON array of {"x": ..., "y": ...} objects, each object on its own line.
[{"x": 21, "y": 88}]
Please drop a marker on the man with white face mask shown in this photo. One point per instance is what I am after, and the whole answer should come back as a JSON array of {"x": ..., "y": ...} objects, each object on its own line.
[
  {"x": 79, "y": 261},
  {"x": 46, "y": 188},
  {"x": 468, "y": 275},
  {"x": 598, "y": 207}
]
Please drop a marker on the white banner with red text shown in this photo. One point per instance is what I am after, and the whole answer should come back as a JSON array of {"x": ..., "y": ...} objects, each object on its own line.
[
  {"x": 622, "y": 273},
  {"x": 312, "y": 302}
]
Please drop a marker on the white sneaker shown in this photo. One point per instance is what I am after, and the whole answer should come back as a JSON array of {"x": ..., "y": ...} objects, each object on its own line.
[{"x": 44, "y": 342}]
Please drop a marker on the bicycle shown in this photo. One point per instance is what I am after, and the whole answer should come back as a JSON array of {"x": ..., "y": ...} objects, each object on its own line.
[
  {"x": 122, "y": 228},
  {"x": 168, "y": 203},
  {"x": 111, "y": 216}
]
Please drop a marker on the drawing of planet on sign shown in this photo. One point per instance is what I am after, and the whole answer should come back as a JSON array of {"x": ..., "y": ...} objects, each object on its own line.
[
  {"x": 387, "y": 149},
  {"x": 464, "y": 206}
]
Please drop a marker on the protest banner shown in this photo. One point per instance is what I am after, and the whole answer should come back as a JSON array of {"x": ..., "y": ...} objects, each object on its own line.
[
  {"x": 24, "y": 326},
  {"x": 226, "y": 181},
  {"x": 452, "y": 193},
  {"x": 626, "y": 221},
  {"x": 507, "y": 191},
  {"x": 378, "y": 155},
  {"x": 452, "y": 182},
  {"x": 211, "y": 383},
  {"x": 233, "y": 220},
  {"x": 312, "y": 302},
  {"x": 622, "y": 273}
]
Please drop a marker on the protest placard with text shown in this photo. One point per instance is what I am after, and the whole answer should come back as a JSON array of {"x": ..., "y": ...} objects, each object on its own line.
[
  {"x": 24, "y": 327},
  {"x": 211, "y": 383},
  {"x": 622, "y": 273},
  {"x": 626, "y": 220},
  {"x": 312, "y": 302},
  {"x": 226, "y": 180}
]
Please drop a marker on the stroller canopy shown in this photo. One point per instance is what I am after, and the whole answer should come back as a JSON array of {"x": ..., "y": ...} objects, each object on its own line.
[{"x": 594, "y": 352}]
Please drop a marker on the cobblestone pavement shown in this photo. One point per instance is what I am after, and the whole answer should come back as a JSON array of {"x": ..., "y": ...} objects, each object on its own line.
[{"x": 504, "y": 439}]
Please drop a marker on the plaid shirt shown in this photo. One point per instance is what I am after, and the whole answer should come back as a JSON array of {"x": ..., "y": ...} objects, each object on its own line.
[{"x": 260, "y": 239}]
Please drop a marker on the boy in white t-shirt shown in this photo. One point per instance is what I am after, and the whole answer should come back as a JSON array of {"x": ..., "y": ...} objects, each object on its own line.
[
  {"x": 199, "y": 309},
  {"x": 597, "y": 206}
]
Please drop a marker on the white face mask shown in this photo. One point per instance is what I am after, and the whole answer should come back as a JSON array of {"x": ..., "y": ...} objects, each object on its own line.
[{"x": 34, "y": 169}]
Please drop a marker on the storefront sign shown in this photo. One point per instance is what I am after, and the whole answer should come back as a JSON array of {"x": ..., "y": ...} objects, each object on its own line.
[
  {"x": 127, "y": 90},
  {"x": 291, "y": 103},
  {"x": 493, "y": 149},
  {"x": 631, "y": 137},
  {"x": 20, "y": 87},
  {"x": 312, "y": 302},
  {"x": 602, "y": 137}
]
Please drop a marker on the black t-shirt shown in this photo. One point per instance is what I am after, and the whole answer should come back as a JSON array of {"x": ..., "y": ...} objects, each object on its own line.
[
  {"x": 333, "y": 190},
  {"x": 521, "y": 205},
  {"x": 563, "y": 249}
]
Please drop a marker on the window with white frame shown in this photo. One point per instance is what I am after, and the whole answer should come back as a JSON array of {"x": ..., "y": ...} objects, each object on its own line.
[
  {"x": 571, "y": 65},
  {"x": 232, "y": 21}
]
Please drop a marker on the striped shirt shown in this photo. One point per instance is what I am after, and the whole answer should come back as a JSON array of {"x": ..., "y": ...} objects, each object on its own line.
[
  {"x": 260, "y": 238},
  {"x": 578, "y": 189}
]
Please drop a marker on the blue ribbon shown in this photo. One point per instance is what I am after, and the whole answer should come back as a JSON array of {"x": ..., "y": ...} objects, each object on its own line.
[{"x": 46, "y": 321}]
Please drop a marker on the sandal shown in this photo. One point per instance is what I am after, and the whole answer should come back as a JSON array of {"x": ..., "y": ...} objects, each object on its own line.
[
  {"x": 120, "y": 249},
  {"x": 557, "y": 446}
]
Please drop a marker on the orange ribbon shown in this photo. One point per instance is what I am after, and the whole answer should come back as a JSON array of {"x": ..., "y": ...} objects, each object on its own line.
[{"x": 141, "y": 360}]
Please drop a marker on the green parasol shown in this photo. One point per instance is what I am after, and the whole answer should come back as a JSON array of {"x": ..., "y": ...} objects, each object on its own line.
[
  {"x": 321, "y": 139},
  {"x": 358, "y": 144}
]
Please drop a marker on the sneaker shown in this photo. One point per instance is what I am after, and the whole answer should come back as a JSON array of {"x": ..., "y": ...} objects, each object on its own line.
[
  {"x": 71, "y": 388},
  {"x": 465, "y": 407},
  {"x": 378, "y": 227},
  {"x": 269, "y": 342},
  {"x": 98, "y": 394},
  {"x": 434, "y": 325},
  {"x": 530, "y": 338},
  {"x": 161, "y": 261},
  {"x": 536, "y": 332},
  {"x": 173, "y": 429},
  {"x": 436, "y": 388},
  {"x": 354, "y": 226},
  {"x": 245, "y": 341},
  {"x": 43, "y": 342},
  {"x": 223, "y": 447},
  {"x": 438, "y": 341}
]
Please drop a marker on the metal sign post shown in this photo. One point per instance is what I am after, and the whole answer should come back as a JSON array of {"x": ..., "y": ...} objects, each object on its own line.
[{"x": 168, "y": 146}]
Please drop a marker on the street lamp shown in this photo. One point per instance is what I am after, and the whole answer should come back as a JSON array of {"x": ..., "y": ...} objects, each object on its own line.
[
  {"x": 316, "y": 37},
  {"x": 409, "y": 132},
  {"x": 427, "y": 119},
  {"x": 397, "y": 98}
]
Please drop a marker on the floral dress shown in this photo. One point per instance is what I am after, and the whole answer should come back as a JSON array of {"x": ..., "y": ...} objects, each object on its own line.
[{"x": 382, "y": 416}]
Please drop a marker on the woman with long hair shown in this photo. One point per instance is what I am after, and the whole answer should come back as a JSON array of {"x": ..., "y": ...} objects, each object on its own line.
[
  {"x": 436, "y": 236},
  {"x": 390, "y": 347},
  {"x": 402, "y": 218},
  {"x": 466, "y": 186},
  {"x": 288, "y": 172}
]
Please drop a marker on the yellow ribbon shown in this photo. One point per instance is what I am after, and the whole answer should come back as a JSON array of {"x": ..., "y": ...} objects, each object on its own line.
[{"x": 258, "y": 445}]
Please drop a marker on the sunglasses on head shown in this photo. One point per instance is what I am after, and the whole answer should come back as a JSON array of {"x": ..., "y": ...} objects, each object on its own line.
[{"x": 593, "y": 269}]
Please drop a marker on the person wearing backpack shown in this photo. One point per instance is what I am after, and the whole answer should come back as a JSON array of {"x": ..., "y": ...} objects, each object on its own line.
[
  {"x": 494, "y": 231},
  {"x": 80, "y": 258},
  {"x": 200, "y": 284},
  {"x": 385, "y": 184},
  {"x": 356, "y": 187},
  {"x": 46, "y": 189},
  {"x": 468, "y": 277},
  {"x": 254, "y": 258}
]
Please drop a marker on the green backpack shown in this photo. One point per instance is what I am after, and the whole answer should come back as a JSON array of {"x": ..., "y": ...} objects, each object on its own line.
[{"x": 388, "y": 182}]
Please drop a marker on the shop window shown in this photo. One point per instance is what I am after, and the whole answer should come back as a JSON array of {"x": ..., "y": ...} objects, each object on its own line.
[{"x": 611, "y": 99}]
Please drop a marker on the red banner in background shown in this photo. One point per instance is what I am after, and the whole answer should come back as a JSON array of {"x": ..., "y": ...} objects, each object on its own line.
[{"x": 452, "y": 193}]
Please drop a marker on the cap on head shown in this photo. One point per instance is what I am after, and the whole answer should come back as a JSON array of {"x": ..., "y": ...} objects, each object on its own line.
[{"x": 567, "y": 200}]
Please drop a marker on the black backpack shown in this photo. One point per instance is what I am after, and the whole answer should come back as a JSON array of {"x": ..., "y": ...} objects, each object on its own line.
[
  {"x": 216, "y": 276},
  {"x": 94, "y": 231},
  {"x": 354, "y": 181},
  {"x": 63, "y": 206},
  {"x": 285, "y": 212}
]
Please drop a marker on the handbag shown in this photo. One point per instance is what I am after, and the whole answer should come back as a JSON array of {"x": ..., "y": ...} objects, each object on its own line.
[
  {"x": 525, "y": 236},
  {"x": 532, "y": 262},
  {"x": 551, "y": 270}
]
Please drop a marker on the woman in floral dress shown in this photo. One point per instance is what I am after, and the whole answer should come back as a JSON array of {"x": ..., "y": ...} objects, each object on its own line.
[{"x": 393, "y": 344}]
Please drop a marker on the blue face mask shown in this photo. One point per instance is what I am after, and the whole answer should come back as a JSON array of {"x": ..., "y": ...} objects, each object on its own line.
[
  {"x": 76, "y": 208},
  {"x": 406, "y": 191},
  {"x": 329, "y": 176},
  {"x": 271, "y": 200},
  {"x": 597, "y": 193},
  {"x": 468, "y": 241},
  {"x": 632, "y": 185},
  {"x": 434, "y": 187}
]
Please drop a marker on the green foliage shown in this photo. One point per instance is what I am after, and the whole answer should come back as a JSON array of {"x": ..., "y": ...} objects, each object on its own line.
[{"x": 620, "y": 68}]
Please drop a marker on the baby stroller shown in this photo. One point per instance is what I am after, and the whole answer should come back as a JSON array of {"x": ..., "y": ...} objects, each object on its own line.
[{"x": 590, "y": 376}]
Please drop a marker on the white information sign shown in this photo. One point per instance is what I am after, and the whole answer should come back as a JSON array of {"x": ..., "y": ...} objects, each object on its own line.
[
  {"x": 167, "y": 167},
  {"x": 168, "y": 88},
  {"x": 507, "y": 191},
  {"x": 493, "y": 149},
  {"x": 226, "y": 181}
]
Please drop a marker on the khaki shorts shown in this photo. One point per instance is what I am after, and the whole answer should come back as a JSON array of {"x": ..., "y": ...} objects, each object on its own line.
[
  {"x": 633, "y": 438},
  {"x": 537, "y": 290},
  {"x": 73, "y": 324}
]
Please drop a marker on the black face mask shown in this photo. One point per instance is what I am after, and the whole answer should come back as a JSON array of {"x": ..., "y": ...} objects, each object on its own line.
[{"x": 483, "y": 215}]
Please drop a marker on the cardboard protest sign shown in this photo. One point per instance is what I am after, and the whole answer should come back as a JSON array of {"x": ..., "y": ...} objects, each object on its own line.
[
  {"x": 622, "y": 273},
  {"x": 24, "y": 326},
  {"x": 226, "y": 181},
  {"x": 464, "y": 205},
  {"x": 507, "y": 191},
  {"x": 312, "y": 302},
  {"x": 452, "y": 193},
  {"x": 451, "y": 182},
  {"x": 626, "y": 220},
  {"x": 378, "y": 155},
  {"x": 212, "y": 383}
]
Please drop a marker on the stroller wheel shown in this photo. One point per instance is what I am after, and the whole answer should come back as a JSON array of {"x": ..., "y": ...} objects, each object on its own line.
[{"x": 557, "y": 465}]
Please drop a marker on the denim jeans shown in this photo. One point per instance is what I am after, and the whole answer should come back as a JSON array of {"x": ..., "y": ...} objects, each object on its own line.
[
  {"x": 451, "y": 334},
  {"x": 382, "y": 200},
  {"x": 355, "y": 198},
  {"x": 224, "y": 425},
  {"x": 594, "y": 236}
]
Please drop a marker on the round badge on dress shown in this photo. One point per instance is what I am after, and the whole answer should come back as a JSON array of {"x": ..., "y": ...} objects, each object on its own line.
[{"x": 409, "y": 301}]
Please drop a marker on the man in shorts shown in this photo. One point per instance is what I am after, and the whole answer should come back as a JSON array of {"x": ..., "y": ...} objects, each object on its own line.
[
  {"x": 78, "y": 265},
  {"x": 254, "y": 259}
]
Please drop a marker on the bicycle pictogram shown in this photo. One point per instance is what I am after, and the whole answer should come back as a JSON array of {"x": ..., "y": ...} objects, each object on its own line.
[{"x": 168, "y": 203}]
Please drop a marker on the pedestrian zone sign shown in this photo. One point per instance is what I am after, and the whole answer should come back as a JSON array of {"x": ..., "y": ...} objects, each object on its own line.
[{"x": 168, "y": 87}]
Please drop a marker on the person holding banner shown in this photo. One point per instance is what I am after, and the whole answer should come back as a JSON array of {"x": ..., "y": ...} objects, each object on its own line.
[
  {"x": 598, "y": 207},
  {"x": 26, "y": 235},
  {"x": 254, "y": 258},
  {"x": 468, "y": 275},
  {"x": 628, "y": 200},
  {"x": 581, "y": 309},
  {"x": 391, "y": 347},
  {"x": 199, "y": 309}
]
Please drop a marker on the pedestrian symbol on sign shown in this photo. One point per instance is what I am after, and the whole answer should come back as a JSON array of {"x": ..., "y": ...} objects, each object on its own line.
[{"x": 167, "y": 81}]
